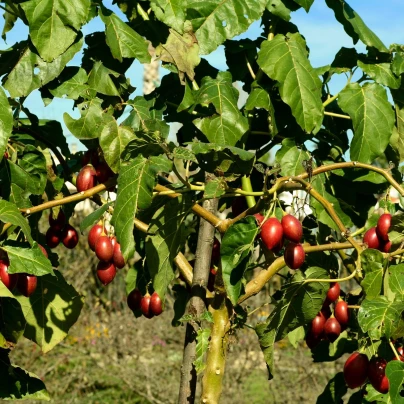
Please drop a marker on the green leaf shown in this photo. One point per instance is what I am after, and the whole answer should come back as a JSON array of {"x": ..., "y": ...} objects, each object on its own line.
[
  {"x": 123, "y": 41},
  {"x": 284, "y": 59},
  {"x": 397, "y": 139},
  {"x": 237, "y": 243},
  {"x": 10, "y": 214},
  {"x": 298, "y": 334},
  {"x": 334, "y": 391},
  {"x": 214, "y": 22},
  {"x": 397, "y": 65},
  {"x": 395, "y": 374},
  {"x": 306, "y": 4},
  {"x": 354, "y": 25},
  {"x": 6, "y": 122},
  {"x": 92, "y": 120},
  {"x": 300, "y": 303},
  {"x": 282, "y": 8},
  {"x": 18, "y": 384},
  {"x": 183, "y": 153},
  {"x": 229, "y": 125},
  {"x": 27, "y": 260},
  {"x": 379, "y": 317},
  {"x": 53, "y": 24},
  {"x": 373, "y": 119},
  {"x": 146, "y": 144},
  {"x": 142, "y": 114},
  {"x": 290, "y": 158},
  {"x": 113, "y": 141},
  {"x": 135, "y": 190},
  {"x": 396, "y": 280},
  {"x": 381, "y": 73},
  {"x": 170, "y": 12},
  {"x": 167, "y": 234},
  {"x": 9, "y": 21},
  {"x": 94, "y": 217},
  {"x": 215, "y": 188},
  {"x": 72, "y": 83},
  {"x": 131, "y": 279},
  {"x": 372, "y": 265},
  {"x": 202, "y": 345},
  {"x": 99, "y": 80},
  {"x": 50, "y": 311}
]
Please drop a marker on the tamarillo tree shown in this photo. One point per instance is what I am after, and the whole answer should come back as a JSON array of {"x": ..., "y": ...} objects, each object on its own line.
[{"x": 193, "y": 204}]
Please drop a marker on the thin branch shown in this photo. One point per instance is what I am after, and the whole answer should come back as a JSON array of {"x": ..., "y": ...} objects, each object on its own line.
[{"x": 337, "y": 115}]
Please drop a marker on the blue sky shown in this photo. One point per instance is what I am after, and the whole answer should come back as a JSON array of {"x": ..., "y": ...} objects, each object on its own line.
[{"x": 324, "y": 36}]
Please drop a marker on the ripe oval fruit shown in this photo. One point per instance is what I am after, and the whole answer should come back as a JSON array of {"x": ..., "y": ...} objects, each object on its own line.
[
  {"x": 104, "y": 173},
  {"x": 106, "y": 272},
  {"x": 118, "y": 257},
  {"x": 333, "y": 292},
  {"x": 90, "y": 157},
  {"x": 294, "y": 255},
  {"x": 156, "y": 306},
  {"x": 317, "y": 325},
  {"x": 356, "y": 370},
  {"x": 70, "y": 237},
  {"x": 86, "y": 179},
  {"x": 271, "y": 233},
  {"x": 103, "y": 248},
  {"x": 260, "y": 218},
  {"x": 215, "y": 251},
  {"x": 383, "y": 226},
  {"x": 385, "y": 246},
  {"x": 341, "y": 312},
  {"x": 332, "y": 329},
  {"x": 292, "y": 228},
  {"x": 145, "y": 306},
  {"x": 377, "y": 375},
  {"x": 59, "y": 223},
  {"x": 134, "y": 299},
  {"x": 312, "y": 341},
  {"x": 371, "y": 238},
  {"x": 9, "y": 280},
  {"x": 93, "y": 235},
  {"x": 27, "y": 284},
  {"x": 53, "y": 237}
]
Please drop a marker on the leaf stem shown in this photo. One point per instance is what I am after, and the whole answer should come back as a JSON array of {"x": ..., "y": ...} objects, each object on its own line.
[
  {"x": 337, "y": 115},
  {"x": 142, "y": 12},
  {"x": 247, "y": 187},
  {"x": 394, "y": 350},
  {"x": 8, "y": 11}
]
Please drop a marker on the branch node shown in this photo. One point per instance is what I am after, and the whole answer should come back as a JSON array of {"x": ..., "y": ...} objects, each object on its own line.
[
  {"x": 354, "y": 163},
  {"x": 28, "y": 211}
]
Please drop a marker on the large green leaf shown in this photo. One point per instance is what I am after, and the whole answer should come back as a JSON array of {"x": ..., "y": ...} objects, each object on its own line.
[
  {"x": 229, "y": 125},
  {"x": 373, "y": 119},
  {"x": 354, "y": 25},
  {"x": 237, "y": 243},
  {"x": 94, "y": 217},
  {"x": 123, "y": 41},
  {"x": 53, "y": 24},
  {"x": 113, "y": 141},
  {"x": 100, "y": 80},
  {"x": 282, "y": 8},
  {"x": 170, "y": 12},
  {"x": 10, "y": 214},
  {"x": 9, "y": 20},
  {"x": 202, "y": 345},
  {"x": 285, "y": 60},
  {"x": 213, "y": 22},
  {"x": 372, "y": 265},
  {"x": 396, "y": 280},
  {"x": 72, "y": 83},
  {"x": 395, "y": 374},
  {"x": 50, "y": 311},
  {"x": 167, "y": 234},
  {"x": 334, "y": 391},
  {"x": 6, "y": 122},
  {"x": 135, "y": 190},
  {"x": 397, "y": 138},
  {"x": 299, "y": 304},
  {"x": 381, "y": 73},
  {"x": 306, "y": 4},
  {"x": 380, "y": 317},
  {"x": 142, "y": 115}
]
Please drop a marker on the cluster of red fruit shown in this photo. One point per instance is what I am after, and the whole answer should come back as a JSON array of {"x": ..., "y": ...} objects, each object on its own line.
[
  {"x": 60, "y": 231},
  {"x": 378, "y": 237},
  {"x": 325, "y": 325},
  {"x": 108, "y": 251},
  {"x": 94, "y": 171},
  {"x": 274, "y": 232},
  {"x": 358, "y": 369},
  {"x": 150, "y": 306},
  {"x": 26, "y": 284}
]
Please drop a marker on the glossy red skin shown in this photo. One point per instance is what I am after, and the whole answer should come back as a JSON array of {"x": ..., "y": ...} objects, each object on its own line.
[
  {"x": 134, "y": 299},
  {"x": 385, "y": 246},
  {"x": 377, "y": 375},
  {"x": 27, "y": 284},
  {"x": 400, "y": 350},
  {"x": 333, "y": 292},
  {"x": 383, "y": 226},
  {"x": 70, "y": 237},
  {"x": 86, "y": 179},
  {"x": 341, "y": 312},
  {"x": 53, "y": 237},
  {"x": 292, "y": 228},
  {"x": 272, "y": 233},
  {"x": 260, "y": 218},
  {"x": 58, "y": 223},
  {"x": 356, "y": 370},
  {"x": 215, "y": 251},
  {"x": 117, "y": 257},
  {"x": 104, "y": 173},
  {"x": 90, "y": 157},
  {"x": 156, "y": 306},
  {"x": 371, "y": 238},
  {"x": 145, "y": 306},
  {"x": 294, "y": 255},
  {"x": 9, "y": 280},
  {"x": 44, "y": 252},
  {"x": 317, "y": 325},
  {"x": 312, "y": 341},
  {"x": 6, "y": 155},
  {"x": 332, "y": 329},
  {"x": 103, "y": 249},
  {"x": 278, "y": 247},
  {"x": 93, "y": 236},
  {"x": 239, "y": 205},
  {"x": 106, "y": 272}
]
